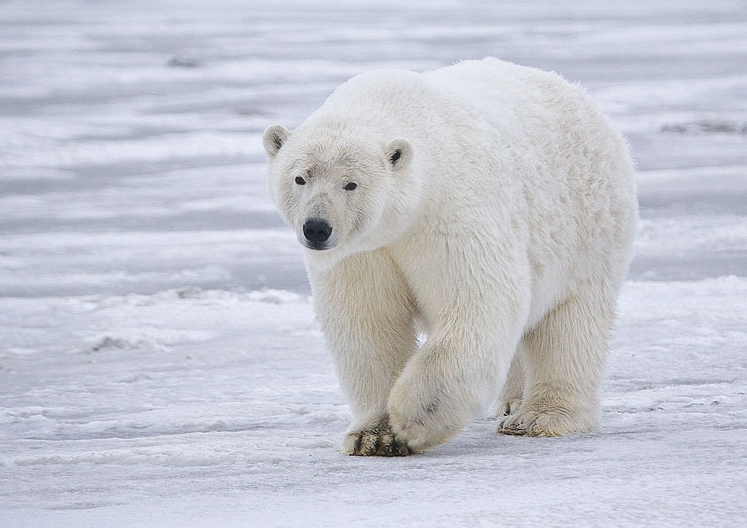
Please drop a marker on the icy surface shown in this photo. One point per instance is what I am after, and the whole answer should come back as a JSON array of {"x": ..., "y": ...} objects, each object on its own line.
[{"x": 159, "y": 360}]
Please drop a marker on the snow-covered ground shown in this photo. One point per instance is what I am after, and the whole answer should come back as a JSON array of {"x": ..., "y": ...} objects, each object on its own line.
[{"x": 159, "y": 361}]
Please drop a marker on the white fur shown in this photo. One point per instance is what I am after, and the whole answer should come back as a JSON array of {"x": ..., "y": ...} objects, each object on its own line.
[{"x": 505, "y": 224}]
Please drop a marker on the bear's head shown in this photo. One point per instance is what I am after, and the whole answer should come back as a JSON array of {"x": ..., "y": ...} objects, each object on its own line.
[{"x": 340, "y": 191}]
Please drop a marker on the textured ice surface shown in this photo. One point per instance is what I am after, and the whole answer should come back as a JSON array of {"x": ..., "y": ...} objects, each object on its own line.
[{"x": 159, "y": 360}]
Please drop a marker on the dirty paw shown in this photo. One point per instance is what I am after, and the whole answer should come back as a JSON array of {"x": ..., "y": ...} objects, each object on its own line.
[
  {"x": 512, "y": 425},
  {"x": 379, "y": 441}
]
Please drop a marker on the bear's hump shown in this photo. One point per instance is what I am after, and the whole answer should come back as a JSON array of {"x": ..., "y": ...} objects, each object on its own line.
[{"x": 378, "y": 86}]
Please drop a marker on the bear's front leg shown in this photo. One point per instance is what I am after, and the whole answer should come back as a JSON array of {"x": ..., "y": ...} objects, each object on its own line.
[
  {"x": 366, "y": 314},
  {"x": 435, "y": 396},
  {"x": 450, "y": 378}
]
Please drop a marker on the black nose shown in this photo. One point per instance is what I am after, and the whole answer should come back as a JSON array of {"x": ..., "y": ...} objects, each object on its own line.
[{"x": 317, "y": 231}]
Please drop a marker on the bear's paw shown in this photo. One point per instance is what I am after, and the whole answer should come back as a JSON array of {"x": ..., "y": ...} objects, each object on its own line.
[
  {"x": 378, "y": 441},
  {"x": 546, "y": 422}
]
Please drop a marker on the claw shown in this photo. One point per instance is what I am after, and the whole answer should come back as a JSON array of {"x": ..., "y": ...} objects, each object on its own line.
[{"x": 375, "y": 442}]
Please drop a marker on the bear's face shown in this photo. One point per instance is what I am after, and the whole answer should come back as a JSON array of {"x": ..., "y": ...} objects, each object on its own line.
[{"x": 340, "y": 195}]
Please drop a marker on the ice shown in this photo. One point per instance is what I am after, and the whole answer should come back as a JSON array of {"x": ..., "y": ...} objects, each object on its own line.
[{"x": 160, "y": 364}]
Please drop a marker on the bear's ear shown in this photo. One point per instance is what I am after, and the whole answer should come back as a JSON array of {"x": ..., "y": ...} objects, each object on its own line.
[
  {"x": 274, "y": 138},
  {"x": 399, "y": 153}
]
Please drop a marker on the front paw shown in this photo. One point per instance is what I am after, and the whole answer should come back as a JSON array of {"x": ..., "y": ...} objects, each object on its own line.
[
  {"x": 424, "y": 417},
  {"x": 377, "y": 441}
]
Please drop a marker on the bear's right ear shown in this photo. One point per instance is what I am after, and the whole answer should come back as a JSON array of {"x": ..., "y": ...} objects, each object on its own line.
[{"x": 274, "y": 138}]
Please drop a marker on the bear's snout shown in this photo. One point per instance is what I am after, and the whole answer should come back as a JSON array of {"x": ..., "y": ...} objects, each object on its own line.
[{"x": 317, "y": 232}]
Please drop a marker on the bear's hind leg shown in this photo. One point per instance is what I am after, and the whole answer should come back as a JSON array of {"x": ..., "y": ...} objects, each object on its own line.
[
  {"x": 564, "y": 361},
  {"x": 513, "y": 389}
]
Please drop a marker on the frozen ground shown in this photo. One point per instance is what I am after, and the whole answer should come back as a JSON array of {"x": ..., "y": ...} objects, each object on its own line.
[{"x": 159, "y": 362}]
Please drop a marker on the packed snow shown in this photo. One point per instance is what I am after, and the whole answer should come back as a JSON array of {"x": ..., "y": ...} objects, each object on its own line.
[{"x": 159, "y": 360}]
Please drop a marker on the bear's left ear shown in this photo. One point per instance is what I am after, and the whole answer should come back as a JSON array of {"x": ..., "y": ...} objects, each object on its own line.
[
  {"x": 399, "y": 153},
  {"x": 274, "y": 138}
]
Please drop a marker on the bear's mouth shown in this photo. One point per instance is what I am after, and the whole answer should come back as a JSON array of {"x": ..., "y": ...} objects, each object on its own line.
[{"x": 318, "y": 246}]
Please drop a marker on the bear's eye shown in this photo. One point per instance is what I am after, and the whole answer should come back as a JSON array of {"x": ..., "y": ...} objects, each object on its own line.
[
  {"x": 351, "y": 186},
  {"x": 300, "y": 181}
]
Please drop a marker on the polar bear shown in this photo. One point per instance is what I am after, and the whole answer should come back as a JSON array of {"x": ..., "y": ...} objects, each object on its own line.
[{"x": 465, "y": 229}]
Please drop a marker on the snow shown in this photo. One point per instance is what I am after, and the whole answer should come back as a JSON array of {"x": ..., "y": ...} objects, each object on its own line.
[{"x": 159, "y": 360}]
